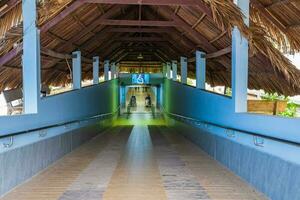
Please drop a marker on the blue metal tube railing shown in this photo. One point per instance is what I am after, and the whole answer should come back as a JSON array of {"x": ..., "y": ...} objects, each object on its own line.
[
  {"x": 101, "y": 116},
  {"x": 198, "y": 122}
]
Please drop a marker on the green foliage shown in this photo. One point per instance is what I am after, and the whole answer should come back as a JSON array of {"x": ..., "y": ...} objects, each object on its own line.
[
  {"x": 228, "y": 91},
  {"x": 290, "y": 110},
  {"x": 273, "y": 97}
]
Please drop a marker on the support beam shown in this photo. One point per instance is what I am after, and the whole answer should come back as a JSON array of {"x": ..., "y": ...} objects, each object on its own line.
[
  {"x": 106, "y": 70},
  {"x": 113, "y": 70},
  {"x": 116, "y": 22},
  {"x": 148, "y": 2},
  {"x": 168, "y": 70},
  {"x": 15, "y": 51},
  {"x": 139, "y": 30},
  {"x": 184, "y": 70},
  {"x": 68, "y": 10},
  {"x": 174, "y": 70},
  {"x": 200, "y": 70},
  {"x": 164, "y": 70},
  {"x": 240, "y": 62},
  {"x": 96, "y": 70},
  {"x": 76, "y": 58},
  {"x": 141, "y": 39},
  {"x": 31, "y": 57},
  {"x": 9, "y": 5}
]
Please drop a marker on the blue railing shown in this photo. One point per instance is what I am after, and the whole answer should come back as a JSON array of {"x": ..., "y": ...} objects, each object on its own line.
[
  {"x": 228, "y": 129},
  {"x": 100, "y": 116}
]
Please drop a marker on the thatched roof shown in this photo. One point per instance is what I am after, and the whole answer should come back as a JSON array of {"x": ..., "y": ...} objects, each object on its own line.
[{"x": 94, "y": 29}]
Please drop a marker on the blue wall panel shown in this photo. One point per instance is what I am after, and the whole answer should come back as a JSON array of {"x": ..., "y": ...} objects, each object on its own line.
[
  {"x": 65, "y": 107},
  {"x": 34, "y": 151},
  {"x": 205, "y": 106},
  {"x": 272, "y": 167},
  {"x": 276, "y": 177}
]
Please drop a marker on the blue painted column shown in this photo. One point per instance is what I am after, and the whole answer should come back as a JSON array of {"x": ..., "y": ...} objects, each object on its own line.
[
  {"x": 200, "y": 70},
  {"x": 168, "y": 70},
  {"x": 164, "y": 70},
  {"x": 106, "y": 70},
  {"x": 122, "y": 96},
  {"x": 117, "y": 70},
  {"x": 96, "y": 70},
  {"x": 174, "y": 70},
  {"x": 76, "y": 60},
  {"x": 31, "y": 58},
  {"x": 158, "y": 96},
  {"x": 183, "y": 64},
  {"x": 240, "y": 62},
  {"x": 113, "y": 70}
]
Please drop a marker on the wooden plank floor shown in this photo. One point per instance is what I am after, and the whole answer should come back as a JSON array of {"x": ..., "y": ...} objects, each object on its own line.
[{"x": 135, "y": 163}]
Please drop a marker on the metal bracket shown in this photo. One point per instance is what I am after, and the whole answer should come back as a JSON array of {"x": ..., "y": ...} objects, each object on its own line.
[
  {"x": 258, "y": 141},
  {"x": 230, "y": 133},
  {"x": 74, "y": 55},
  {"x": 68, "y": 126},
  {"x": 10, "y": 144},
  {"x": 42, "y": 133},
  {"x": 206, "y": 125}
]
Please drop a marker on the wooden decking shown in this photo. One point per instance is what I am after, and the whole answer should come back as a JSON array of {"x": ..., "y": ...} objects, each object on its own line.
[{"x": 132, "y": 163}]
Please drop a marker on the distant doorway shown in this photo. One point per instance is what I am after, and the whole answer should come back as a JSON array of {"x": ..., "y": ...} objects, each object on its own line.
[{"x": 140, "y": 99}]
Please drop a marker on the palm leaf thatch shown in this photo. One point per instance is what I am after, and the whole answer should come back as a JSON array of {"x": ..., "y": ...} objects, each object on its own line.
[{"x": 268, "y": 37}]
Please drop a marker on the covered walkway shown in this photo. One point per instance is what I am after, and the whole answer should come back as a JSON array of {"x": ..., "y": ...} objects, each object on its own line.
[
  {"x": 134, "y": 163},
  {"x": 116, "y": 100}
]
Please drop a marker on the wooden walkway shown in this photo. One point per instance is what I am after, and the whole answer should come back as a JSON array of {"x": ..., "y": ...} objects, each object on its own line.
[{"x": 134, "y": 163}]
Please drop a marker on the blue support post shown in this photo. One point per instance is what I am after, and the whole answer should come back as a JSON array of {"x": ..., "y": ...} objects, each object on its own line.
[
  {"x": 96, "y": 70},
  {"x": 183, "y": 63},
  {"x": 240, "y": 62},
  {"x": 76, "y": 60},
  {"x": 200, "y": 70},
  {"x": 31, "y": 58},
  {"x": 117, "y": 70},
  {"x": 122, "y": 96},
  {"x": 113, "y": 70},
  {"x": 168, "y": 70},
  {"x": 174, "y": 70},
  {"x": 106, "y": 70},
  {"x": 164, "y": 70}
]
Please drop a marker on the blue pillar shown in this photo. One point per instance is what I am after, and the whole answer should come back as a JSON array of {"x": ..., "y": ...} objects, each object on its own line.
[
  {"x": 106, "y": 70},
  {"x": 200, "y": 70},
  {"x": 76, "y": 60},
  {"x": 174, "y": 70},
  {"x": 117, "y": 70},
  {"x": 122, "y": 96},
  {"x": 158, "y": 96},
  {"x": 168, "y": 70},
  {"x": 96, "y": 70},
  {"x": 164, "y": 70},
  {"x": 113, "y": 70},
  {"x": 240, "y": 62},
  {"x": 183, "y": 63},
  {"x": 31, "y": 58}
]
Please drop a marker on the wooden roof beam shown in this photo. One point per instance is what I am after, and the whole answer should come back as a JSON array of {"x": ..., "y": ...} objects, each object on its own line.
[
  {"x": 199, "y": 21},
  {"x": 113, "y": 22},
  {"x": 216, "y": 54},
  {"x": 141, "y": 39},
  {"x": 15, "y": 51},
  {"x": 218, "y": 37},
  {"x": 279, "y": 3},
  {"x": 267, "y": 14},
  {"x": 8, "y": 6},
  {"x": 140, "y": 30},
  {"x": 148, "y": 2},
  {"x": 184, "y": 25}
]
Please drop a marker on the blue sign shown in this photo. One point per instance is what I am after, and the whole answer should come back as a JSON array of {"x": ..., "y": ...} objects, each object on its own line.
[{"x": 140, "y": 79}]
